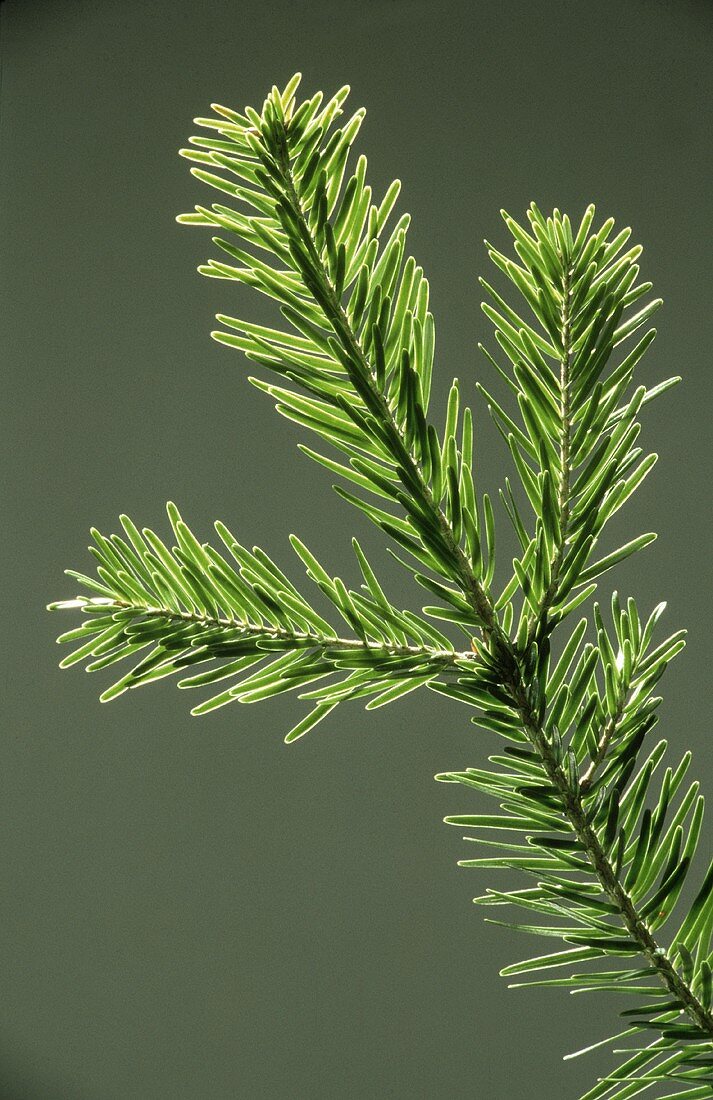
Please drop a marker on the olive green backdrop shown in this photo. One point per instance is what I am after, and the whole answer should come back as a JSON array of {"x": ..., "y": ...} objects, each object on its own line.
[{"x": 189, "y": 909}]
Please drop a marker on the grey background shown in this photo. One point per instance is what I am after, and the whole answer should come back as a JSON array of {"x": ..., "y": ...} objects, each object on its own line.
[{"x": 189, "y": 908}]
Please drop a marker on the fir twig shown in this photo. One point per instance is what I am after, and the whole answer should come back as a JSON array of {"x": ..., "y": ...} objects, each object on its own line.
[{"x": 606, "y": 845}]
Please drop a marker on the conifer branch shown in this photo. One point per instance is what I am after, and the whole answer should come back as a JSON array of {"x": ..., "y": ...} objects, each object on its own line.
[
  {"x": 364, "y": 378},
  {"x": 631, "y": 917},
  {"x": 607, "y": 844}
]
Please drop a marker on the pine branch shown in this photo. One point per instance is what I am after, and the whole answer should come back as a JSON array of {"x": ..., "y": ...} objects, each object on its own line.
[
  {"x": 187, "y": 605},
  {"x": 369, "y": 359},
  {"x": 364, "y": 377},
  {"x": 565, "y": 788},
  {"x": 607, "y": 847},
  {"x": 631, "y": 917}
]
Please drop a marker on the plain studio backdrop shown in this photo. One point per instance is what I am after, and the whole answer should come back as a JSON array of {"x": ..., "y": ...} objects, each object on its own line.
[{"x": 188, "y": 908}]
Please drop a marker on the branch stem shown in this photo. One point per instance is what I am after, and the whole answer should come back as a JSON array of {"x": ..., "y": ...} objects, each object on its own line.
[
  {"x": 565, "y": 443},
  {"x": 299, "y": 637}
]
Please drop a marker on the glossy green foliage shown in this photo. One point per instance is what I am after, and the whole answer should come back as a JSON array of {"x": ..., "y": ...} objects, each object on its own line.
[
  {"x": 604, "y": 834},
  {"x": 647, "y": 820},
  {"x": 175, "y": 608},
  {"x": 574, "y": 448}
]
